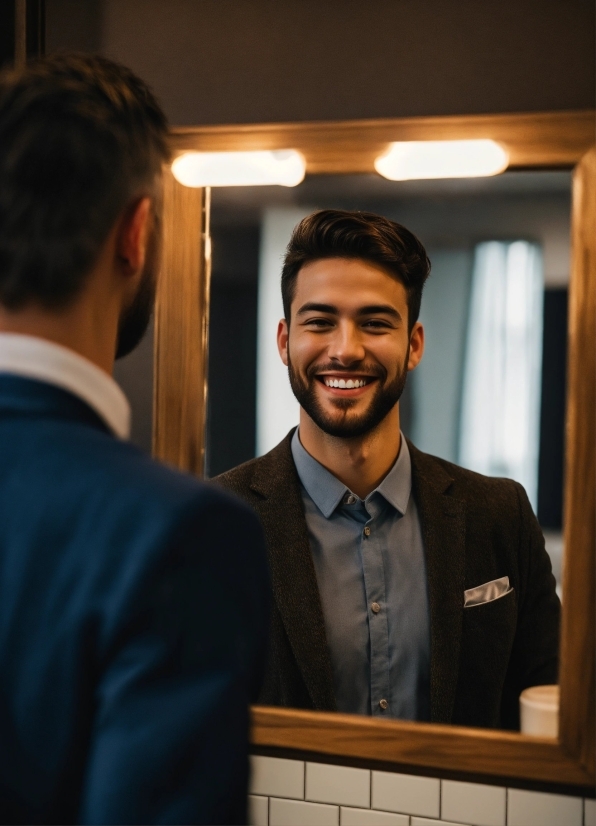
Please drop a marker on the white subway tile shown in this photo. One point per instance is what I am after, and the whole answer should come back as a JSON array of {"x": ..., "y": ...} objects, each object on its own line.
[
  {"x": 424, "y": 821},
  {"x": 338, "y": 784},
  {"x": 589, "y": 812},
  {"x": 298, "y": 813},
  {"x": 370, "y": 817},
  {"x": 276, "y": 777},
  {"x": 473, "y": 803},
  {"x": 541, "y": 809},
  {"x": 258, "y": 810},
  {"x": 405, "y": 793}
]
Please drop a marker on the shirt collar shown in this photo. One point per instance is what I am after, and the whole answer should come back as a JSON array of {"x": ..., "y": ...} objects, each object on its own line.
[
  {"x": 43, "y": 360},
  {"x": 327, "y": 491}
]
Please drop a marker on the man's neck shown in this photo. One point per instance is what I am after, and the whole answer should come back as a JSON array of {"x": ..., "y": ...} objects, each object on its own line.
[
  {"x": 89, "y": 326},
  {"x": 360, "y": 463}
]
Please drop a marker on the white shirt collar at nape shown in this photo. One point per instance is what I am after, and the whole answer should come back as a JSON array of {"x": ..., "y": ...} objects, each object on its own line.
[{"x": 37, "y": 358}]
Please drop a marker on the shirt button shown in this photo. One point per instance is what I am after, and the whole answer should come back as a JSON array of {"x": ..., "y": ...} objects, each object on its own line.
[
  {"x": 375, "y": 607},
  {"x": 383, "y": 704},
  {"x": 366, "y": 531},
  {"x": 350, "y": 499}
]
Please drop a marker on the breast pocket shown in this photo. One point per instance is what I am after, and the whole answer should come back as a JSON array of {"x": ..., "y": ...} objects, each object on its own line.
[
  {"x": 498, "y": 613},
  {"x": 488, "y": 634}
]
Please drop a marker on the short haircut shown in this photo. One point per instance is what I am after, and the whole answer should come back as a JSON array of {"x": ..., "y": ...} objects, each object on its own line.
[
  {"x": 334, "y": 233},
  {"x": 80, "y": 138}
]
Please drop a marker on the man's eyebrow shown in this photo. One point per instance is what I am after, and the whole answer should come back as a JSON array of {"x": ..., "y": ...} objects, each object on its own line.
[
  {"x": 330, "y": 309},
  {"x": 380, "y": 309},
  {"x": 311, "y": 307}
]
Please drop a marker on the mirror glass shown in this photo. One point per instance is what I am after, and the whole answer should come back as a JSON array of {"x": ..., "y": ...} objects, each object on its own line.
[{"x": 489, "y": 393}]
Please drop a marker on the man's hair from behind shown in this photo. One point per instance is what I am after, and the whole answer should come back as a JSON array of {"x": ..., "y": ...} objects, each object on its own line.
[
  {"x": 80, "y": 138},
  {"x": 334, "y": 233}
]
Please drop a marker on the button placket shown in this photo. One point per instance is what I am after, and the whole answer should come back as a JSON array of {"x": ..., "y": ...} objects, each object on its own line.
[{"x": 374, "y": 583}]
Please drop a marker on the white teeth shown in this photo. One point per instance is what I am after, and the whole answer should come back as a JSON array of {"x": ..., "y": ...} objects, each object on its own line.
[{"x": 342, "y": 384}]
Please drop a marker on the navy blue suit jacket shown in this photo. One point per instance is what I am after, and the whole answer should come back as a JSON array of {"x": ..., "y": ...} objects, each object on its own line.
[{"x": 133, "y": 623}]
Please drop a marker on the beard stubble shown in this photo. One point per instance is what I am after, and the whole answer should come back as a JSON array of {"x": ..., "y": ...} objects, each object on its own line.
[
  {"x": 135, "y": 318},
  {"x": 384, "y": 399}
]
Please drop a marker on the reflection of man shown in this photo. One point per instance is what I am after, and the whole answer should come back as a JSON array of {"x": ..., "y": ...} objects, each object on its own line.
[
  {"x": 404, "y": 586},
  {"x": 133, "y": 599}
]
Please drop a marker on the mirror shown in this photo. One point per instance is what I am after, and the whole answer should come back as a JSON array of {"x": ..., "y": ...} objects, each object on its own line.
[
  {"x": 555, "y": 140},
  {"x": 489, "y": 393}
]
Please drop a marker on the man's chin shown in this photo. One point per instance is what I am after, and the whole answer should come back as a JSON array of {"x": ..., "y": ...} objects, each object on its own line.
[
  {"x": 341, "y": 419},
  {"x": 345, "y": 427}
]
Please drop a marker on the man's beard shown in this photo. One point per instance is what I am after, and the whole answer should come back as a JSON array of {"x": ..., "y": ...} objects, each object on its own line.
[
  {"x": 384, "y": 399},
  {"x": 135, "y": 318}
]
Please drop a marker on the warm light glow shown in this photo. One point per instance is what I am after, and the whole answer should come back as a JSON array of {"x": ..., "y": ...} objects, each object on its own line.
[
  {"x": 284, "y": 167},
  {"x": 408, "y": 160}
]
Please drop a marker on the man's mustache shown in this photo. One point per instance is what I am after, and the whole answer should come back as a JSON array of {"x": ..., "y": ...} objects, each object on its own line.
[{"x": 374, "y": 371}]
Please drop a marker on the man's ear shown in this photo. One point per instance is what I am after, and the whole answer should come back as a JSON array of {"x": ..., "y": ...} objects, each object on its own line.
[
  {"x": 416, "y": 345},
  {"x": 131, "y": 241},
  {"x": 282, "y": 340}
]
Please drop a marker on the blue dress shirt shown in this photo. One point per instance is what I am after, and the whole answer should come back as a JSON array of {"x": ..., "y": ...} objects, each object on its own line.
[{"x": 370, "y": 567}]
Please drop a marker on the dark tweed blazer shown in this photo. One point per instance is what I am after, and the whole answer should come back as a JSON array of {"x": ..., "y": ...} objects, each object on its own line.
[{"x": 475, "y": 529}]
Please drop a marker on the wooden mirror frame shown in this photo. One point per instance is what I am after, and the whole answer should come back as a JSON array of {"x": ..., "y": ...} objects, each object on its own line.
[{"x": 534, "y": 141}]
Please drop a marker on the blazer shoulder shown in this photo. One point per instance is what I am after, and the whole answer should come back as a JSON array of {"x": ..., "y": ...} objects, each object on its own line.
[
  {"x": 261, "y": 476},
  {"x": 458, "y": 480},
  {"x": 125, "y": 478},
  {"x": 171, "y": 490},
  {"x": 239, "y": 478}
]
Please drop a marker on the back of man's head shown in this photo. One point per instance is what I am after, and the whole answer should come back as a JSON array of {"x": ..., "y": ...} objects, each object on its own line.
[{"x": 81, "y": 137}]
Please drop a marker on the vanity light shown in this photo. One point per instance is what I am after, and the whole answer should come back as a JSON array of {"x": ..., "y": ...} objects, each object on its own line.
[
  {"x": 407, "y": 160},
  {"x": 284, "y": 167}
]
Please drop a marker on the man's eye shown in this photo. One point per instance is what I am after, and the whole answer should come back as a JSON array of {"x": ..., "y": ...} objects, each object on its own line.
[
  {"x": 318, "y": 322},
  {"x": 376, "y": 323}
]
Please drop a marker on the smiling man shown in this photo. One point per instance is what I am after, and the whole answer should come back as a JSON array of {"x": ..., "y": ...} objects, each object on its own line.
[{"x": 404, "y": 586}]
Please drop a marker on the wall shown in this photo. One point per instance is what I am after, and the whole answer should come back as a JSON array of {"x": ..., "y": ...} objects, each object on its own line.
[
  {"x": 234, "y": 61},
  {"x": 74, "y": 25},
  {"x": 294, "y": 793}
]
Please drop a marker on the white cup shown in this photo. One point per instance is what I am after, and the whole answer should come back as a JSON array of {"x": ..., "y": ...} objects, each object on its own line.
[{"x": 539, "y": 710}]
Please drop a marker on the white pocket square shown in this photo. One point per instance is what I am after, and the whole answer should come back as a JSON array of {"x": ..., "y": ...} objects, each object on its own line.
[{"x": 488, "y": 592}]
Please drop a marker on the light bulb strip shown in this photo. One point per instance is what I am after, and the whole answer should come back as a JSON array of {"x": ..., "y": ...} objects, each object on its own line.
[
  {"x": 285, "y": 167},
  {"x": 410, "y": 160}
]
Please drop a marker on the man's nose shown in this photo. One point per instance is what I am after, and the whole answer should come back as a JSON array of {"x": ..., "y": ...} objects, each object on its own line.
[{"x": 346, "y": 346}]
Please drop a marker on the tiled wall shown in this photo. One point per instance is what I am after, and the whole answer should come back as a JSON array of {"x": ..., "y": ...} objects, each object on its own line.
[{"x": 294, "y": 793}]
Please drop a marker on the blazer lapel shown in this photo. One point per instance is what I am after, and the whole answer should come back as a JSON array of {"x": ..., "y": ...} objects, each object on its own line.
[
  {"x": 442, "y": 520},
  {"x": 292, "y": 571}
]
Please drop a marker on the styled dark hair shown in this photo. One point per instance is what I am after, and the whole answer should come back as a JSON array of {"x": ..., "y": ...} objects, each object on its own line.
[
  {"x": 80, "y": 138},
  {"x": 335, "y": 233}
]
